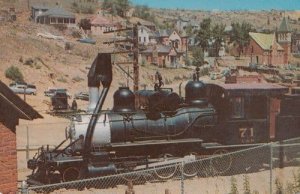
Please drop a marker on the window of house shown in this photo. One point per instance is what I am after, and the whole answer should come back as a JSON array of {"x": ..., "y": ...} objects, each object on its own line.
[
  {"x": 60, "y": 20},
  {"x": 144, "y": 39},
  {"x": 52, "y": 20},
  {"x": 142, "y": 30},
  {"x": 237, "y": 107},
  {"x": 140, "y": 39}
]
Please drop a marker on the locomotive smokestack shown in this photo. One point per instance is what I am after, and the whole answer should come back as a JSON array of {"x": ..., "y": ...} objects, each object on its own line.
[
  {"x": 93, "y": 98},
  {"x": 95, "y": 75}
]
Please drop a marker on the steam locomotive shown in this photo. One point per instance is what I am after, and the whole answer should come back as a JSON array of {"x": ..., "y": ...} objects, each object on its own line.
[{"x": 149, "y": 127}]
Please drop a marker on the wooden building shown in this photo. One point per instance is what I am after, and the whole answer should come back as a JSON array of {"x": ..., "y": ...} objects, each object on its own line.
[
  {"x": 163, "y": 56},
  {"x": 284, "y": 38},
  {"x": 100, "y": 24},
  {"x": 271, "y": 49},
  {"x": 56, "y": 15},
  {"x": 264, "y": 49},
  {"x": 12, "y": 108},
  {"x": 295, "y": 43}
]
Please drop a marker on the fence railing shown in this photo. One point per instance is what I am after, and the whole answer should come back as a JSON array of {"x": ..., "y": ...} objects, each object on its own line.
[{"x": 269, "y": 168}]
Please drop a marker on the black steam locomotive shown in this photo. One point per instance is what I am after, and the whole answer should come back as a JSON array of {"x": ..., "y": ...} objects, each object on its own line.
[{"x": 149, "y": 127}]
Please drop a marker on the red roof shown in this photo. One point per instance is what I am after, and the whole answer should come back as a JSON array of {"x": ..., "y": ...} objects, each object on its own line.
[
  {"x": 255, "y": 86},
  {"x": 245, "y": 89},
  {"x": 101, "y": 21}
]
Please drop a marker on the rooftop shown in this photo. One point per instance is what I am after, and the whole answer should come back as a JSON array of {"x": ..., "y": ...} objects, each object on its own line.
[
  {"x": 265, "y": 41},
  {"x": 9, "y": 98},
  {"x": 101, "y": 21},
  {"x": 136, "y": 20},
  {"x": 40, "y": 7},
  {"x": 284, "y": 26},
  {"x": 245, "y": 89},
  {"x": 58, "y": 12}
]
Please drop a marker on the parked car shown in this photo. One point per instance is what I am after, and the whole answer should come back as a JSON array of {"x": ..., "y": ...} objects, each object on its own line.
[
  {"x": 51, "y": 92},
  {"x": 23, "y": 88},
  {"x": 59, "y": 100},
  {"x": 82, "y": 96}
]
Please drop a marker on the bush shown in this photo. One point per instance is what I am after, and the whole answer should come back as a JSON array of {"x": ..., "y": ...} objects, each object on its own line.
[
  {"x": 60, "y": 27},
  {"x": 62, "y": 79},
  {"x": 77, "y": 79},
  {"x": 14, "y": 74}
]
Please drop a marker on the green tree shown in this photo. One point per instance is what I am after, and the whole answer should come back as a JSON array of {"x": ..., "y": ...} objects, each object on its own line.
[
  {"x": 218, "y": 36},
  {"x": 14, "y": 74},
  {"x": 189, "y": 30},
  {"x": 198, "y": 56},
  {"x": 240, "y": 35},
  {"x": 203, "y": 35},
  {"x": 118, "y": 7},
  {"x": 143, "y": 11},
  {"x": 85, "y": 24}
]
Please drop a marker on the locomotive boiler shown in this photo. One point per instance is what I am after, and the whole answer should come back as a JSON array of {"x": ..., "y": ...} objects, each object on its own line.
[{"x": 151, "y": 127}]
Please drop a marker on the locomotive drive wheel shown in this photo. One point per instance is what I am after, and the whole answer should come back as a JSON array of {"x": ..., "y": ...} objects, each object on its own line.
[
  {"x": 70, "y": 174},
  {"x": 165, "y": 172},
  {"x": 221, "y": 161}
]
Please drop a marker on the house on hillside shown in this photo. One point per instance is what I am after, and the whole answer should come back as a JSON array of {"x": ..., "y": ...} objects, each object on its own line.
[
  {"x": 177, "y": 40},
  {"x": 182, "y": 23},
  {"x": 100, "y": 24},
  {"x": 144, "y": 35},
  {"x": 284, "y": 38},
  {"x": 271, "y": 49},
  {"x": 12, "y": 108},
  {"x": 264, "y": 49},
  {"x": 295, "y": 43},
  {"x": 163, "y": 56},
  {"x": 173, "y": 39},
  {"x": 55, "y": 15},
  {"x": 37, "y": 10},
  {"x": 148, "y": 24}
]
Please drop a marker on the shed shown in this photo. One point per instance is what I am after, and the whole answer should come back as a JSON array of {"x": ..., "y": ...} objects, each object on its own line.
[{"x": 12, "y": 108}]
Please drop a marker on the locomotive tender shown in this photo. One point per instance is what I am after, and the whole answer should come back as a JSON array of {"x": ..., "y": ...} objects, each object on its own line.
[{"x": 150, "y": 126}]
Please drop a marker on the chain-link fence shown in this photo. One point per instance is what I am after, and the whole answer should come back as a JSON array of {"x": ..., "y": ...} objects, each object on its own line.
[{"x": 269, "y": 168}]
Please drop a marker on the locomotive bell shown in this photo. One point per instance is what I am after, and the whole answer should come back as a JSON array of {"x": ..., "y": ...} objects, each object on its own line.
[
  {"x": 195, "y": 93},
  {"x": 124, "y": 100}
]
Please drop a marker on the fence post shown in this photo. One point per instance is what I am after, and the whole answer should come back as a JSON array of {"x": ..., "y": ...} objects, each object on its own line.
[
  {"x": 27, "y": 143},
  {"x": 271, "y": 168},
  {"x": 182, "y": 177},
  {"x": 24, "y": 188}
]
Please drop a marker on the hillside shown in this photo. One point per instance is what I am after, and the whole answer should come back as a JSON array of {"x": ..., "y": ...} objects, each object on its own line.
[{"x": 50, "y": 65}]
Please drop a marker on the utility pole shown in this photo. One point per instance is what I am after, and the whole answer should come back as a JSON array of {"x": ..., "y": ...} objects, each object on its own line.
[
  {"x": 135, "y": 58},
  {"x": 135, "y": 51}
]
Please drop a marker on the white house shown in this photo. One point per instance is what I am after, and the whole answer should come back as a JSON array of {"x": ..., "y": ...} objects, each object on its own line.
[{"x": 144, "y": 35}]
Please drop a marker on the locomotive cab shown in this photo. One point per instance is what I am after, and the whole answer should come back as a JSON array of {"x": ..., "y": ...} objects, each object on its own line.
[{"x": 245, "y": 111}]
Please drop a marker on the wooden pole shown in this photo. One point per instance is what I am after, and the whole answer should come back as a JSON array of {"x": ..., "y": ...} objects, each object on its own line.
[{"x": 135, "y": 59}]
